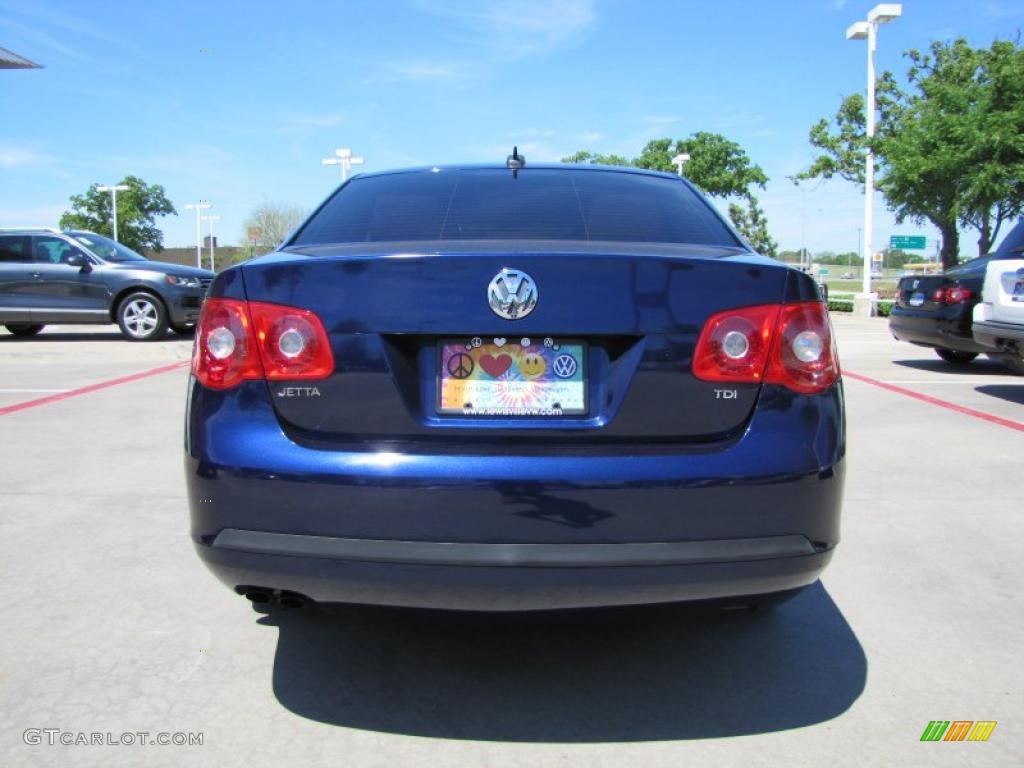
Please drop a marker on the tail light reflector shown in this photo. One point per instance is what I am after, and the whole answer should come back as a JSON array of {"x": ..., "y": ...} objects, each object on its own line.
[
  {"x": 238, "y": 340},
  {"x": 951, "y": 294},
  {"x": 788, "y": 344}
]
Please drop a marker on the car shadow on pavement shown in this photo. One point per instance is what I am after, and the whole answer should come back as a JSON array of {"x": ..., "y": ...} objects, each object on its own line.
[
  {"x": 980, "y": 366},
  {"x": 1012, "y": 392},
  {"x": 663, "y": 673},
  {"x": 61, "y": 336}
]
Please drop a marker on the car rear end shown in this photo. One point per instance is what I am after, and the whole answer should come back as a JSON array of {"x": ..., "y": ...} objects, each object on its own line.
[
  {"x": 665, "y": 422},
  {"x": 935, "y": 311},
  {"x": 999, "y": 318}
]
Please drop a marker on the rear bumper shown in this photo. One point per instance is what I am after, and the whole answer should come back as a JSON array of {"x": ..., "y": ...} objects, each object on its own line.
[
  {"x": 507, "y": 585},
  {"x": 991, "y": 334},
  {"x": 446, "y": 527},
  {"x": 933, "y": 330}
]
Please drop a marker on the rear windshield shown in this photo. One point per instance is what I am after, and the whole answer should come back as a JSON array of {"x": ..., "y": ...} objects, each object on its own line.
[
  {"x": 490, "y": 204},
  {"x": 1013, "y": 243}
]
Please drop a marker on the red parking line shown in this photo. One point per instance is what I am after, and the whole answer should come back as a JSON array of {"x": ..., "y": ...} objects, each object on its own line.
[
  {"x": 938, "y": 401},
  {"x": 91, "y": 388}
]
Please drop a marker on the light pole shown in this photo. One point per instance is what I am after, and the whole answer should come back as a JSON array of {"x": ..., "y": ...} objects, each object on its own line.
[
  {"x": 113, "y": 189},
  {"x": 345, "y": 159},
  {"x": 868, "y": 30},
  {"x": 211, "y": 219},
  {"x": 199, "y": 208},
  {"x": 679, "y": 161}
]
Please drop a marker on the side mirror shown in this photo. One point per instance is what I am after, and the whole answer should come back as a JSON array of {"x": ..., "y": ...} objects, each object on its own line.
[{"x": 80, "y": 261}]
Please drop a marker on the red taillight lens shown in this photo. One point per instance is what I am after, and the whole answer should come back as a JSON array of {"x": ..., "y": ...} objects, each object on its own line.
[
  {"x": 803, "y": 357},
  {"x": 225, "y": 351},
  {"x": 734, "y": 345},
  {"x": 957, "y": 294},
  {"x": 292, "y": 342},
  {"x": 788, "y": 344},
  {"x": 238, "y": 340}
]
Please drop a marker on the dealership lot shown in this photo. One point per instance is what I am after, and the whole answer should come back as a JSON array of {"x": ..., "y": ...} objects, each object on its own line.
[{"x": 113, "y": 626}]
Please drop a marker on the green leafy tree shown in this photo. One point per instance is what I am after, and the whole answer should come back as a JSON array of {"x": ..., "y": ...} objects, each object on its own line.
[
  {"x": 720, "y": 167},
  {"x": 137, "y": 210},
  {"x": 949, "y": 147}
]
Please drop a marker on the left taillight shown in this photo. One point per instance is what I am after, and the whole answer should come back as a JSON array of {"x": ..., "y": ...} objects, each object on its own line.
[{"x": 239, "y": 340}]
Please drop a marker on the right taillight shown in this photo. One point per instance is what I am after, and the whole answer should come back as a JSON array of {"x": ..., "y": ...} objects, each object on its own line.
[
  {"x": 789, "y": 344},
  {"x": 803, "y": 357},
  {"x": 239, "y": 340}
]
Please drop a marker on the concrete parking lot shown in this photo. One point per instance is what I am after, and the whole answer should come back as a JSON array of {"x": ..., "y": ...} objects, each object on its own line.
[{"x": 112, "y": 625}]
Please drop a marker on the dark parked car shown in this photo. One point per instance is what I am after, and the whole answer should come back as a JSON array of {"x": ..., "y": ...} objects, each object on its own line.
[
  {"x": 73, "y": 276},
  {"x": 494, "y": 389},
  {"x": 936, "y": 310}
]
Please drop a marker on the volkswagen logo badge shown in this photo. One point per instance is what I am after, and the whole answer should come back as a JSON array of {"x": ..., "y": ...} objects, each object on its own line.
[{"x": 512, "y": 294}]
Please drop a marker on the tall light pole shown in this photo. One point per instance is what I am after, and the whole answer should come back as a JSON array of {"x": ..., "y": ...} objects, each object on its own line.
[
  {"x": 113, "y": 189},
  {"x": 868, "y": 30},
  {"x": 679, "y": 161},
  {"x": 345, "y": 159},
  {"x": 211, "y": 219},
  {"x": 199, "y": 208}
]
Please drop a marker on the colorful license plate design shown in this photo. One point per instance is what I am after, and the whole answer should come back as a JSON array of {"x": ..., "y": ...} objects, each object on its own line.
[{"x": 486, "y": 376}]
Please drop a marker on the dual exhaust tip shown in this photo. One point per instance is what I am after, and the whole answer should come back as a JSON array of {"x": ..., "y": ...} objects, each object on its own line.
[{"x": 265, "y": 596}]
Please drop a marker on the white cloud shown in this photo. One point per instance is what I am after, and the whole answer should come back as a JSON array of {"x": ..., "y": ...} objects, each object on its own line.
[
  {"x": 420, "y": 71},
  {"x": 513, "y": 29},
  {"x": 46, "y": 215},
  {"x": 12, "y": 157}
]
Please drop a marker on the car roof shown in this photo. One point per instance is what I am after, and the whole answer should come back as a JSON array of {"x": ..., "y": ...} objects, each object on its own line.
[{"x": 590, "y": 168}]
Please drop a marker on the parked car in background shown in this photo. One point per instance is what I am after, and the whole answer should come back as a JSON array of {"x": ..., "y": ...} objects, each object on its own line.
[
  {"x": 847, "y": 276},
  {"x": 514, "y": 388},
  {"x": 77, "y": 277},
  {"x": 999, "y": 316},
  {"x": 936, "y": 310}
]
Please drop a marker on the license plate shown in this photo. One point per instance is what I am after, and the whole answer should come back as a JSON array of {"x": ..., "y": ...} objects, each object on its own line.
[
  {"x": 526, "y": 377},
  {"x": 916, "y": 300}
]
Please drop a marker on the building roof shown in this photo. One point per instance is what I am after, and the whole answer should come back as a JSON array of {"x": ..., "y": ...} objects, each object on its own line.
[{"x": 11, "y": 60}]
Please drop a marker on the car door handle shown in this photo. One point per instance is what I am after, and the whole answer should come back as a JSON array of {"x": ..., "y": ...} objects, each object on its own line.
[{"x": 37, "y": 274}]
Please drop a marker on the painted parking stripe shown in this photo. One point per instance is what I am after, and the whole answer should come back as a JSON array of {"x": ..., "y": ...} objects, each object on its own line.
[
  {"x": 991, "y": 418},
  {"x": 92, "y": 388}
]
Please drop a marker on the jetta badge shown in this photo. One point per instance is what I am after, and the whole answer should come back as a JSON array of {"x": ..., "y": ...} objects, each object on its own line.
[{"x": 512, "y": 294}]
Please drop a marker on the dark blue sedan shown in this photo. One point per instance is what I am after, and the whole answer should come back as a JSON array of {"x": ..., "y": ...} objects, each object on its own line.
[{"x": 493, "y": 389}]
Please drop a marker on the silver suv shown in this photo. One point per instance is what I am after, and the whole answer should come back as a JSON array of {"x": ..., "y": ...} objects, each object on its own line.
[{"x": 75, "y": 276}]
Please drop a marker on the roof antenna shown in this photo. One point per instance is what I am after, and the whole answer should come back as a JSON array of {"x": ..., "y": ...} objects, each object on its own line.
[{"x": 515, "y": 162}]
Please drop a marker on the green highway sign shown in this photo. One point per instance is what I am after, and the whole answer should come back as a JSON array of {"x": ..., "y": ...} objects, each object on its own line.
[{"x": 907, "y": 242}]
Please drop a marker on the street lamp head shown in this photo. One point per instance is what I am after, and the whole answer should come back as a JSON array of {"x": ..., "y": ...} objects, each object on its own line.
[
  {"x": 330, "y": 161},
  {"x": 885, "y": 12},
  {"x": 356, "y": 161},
  {"x": 112, "y": 188},
  {"x": 344, "y": 154},
  {"x": 857, "y": 31},
  {"x": 681, "y": 158}
]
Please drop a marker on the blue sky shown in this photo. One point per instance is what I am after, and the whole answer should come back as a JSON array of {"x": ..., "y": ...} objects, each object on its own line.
[{"x": 237, "y": 102}]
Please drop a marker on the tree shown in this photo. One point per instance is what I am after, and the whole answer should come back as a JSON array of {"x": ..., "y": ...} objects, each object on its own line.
[
  {"x": 137, "y": 209},
  {"x": 949, "y": 148},
  {"x": 273, "y": 222},
  {"x": 720, "y": 167}
]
